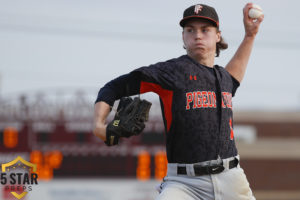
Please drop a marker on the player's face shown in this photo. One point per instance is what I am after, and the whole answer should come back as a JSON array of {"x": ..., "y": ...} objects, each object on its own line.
[{"x": 200, "y": 38}]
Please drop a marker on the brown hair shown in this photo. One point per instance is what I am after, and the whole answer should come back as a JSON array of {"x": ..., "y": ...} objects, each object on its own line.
[{"x": 221, "y": 46}]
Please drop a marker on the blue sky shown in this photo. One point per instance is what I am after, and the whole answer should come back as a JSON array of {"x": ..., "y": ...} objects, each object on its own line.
[{"x": 68, "y": 45}]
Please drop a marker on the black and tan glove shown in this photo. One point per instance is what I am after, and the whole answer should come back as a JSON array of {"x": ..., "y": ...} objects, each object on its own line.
[{"x": 129, "y": 120}]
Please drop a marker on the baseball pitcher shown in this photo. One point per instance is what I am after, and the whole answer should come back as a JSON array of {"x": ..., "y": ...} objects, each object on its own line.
[{"x": 196, "y": 102}]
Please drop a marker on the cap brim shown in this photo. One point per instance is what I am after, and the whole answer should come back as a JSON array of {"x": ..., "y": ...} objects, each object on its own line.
[{"x": 184, "y": 20}]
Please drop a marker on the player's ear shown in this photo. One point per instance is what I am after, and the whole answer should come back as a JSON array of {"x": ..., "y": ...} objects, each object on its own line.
[{"x": 218, "y": 36}]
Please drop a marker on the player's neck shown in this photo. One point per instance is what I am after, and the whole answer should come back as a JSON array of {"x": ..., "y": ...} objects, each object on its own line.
[{"x": 208, "y": 61}]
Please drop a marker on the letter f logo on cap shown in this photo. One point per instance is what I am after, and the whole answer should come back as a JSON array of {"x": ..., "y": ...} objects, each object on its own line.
[{"x": 198, "y": 8}]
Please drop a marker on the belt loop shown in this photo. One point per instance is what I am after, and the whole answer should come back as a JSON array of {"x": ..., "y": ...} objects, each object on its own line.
[
  {"x": 172, "y": 169},
  {"x": 190, "y": 169},
  {"x": 238, "y": 158},
  {"x": 226, "y": 163}
]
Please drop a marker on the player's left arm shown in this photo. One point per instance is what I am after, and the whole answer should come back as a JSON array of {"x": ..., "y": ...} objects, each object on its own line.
[{"x": 238, "y": 64}]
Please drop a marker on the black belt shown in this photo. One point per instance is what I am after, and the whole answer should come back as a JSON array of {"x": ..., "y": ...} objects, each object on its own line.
[{"x": 213, "y": 168}]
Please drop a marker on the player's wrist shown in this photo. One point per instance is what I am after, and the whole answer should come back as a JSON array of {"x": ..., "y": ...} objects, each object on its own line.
[
  {"x": 99, "y": 130},
  {"x": 249, "y": 38}
]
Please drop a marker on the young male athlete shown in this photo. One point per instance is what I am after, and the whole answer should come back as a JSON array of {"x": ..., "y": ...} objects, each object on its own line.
[{"x": 195, "y": 95}]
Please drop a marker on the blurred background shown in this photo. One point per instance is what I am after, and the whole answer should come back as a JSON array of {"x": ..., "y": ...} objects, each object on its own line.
[{"x": 56, "y": 55}]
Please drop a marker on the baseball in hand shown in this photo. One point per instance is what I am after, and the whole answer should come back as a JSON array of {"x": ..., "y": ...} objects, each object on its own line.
[{"x": 255, "y": 12}]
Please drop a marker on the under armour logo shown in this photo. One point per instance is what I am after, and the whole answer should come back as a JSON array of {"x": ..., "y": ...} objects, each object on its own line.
[
  {"x": 198, "y": 8},
  {"x": 193, "y": 77}
]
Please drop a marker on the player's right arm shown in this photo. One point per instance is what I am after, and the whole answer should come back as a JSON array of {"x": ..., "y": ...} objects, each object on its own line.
[{"x": 238, "y": 64}]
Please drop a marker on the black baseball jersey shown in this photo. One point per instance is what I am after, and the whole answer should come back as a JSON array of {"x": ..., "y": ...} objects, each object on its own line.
[{"x": 196, "y": 106}]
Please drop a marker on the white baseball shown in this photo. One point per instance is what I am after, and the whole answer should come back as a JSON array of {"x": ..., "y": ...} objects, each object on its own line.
[{"x": 255, "y": 12}]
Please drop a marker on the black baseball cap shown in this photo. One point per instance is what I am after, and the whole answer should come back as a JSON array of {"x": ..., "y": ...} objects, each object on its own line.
[{"x": 200, "y": 11}]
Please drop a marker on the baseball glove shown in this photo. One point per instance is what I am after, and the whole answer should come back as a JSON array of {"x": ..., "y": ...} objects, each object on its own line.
[{"x": 129, "y": 120}]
